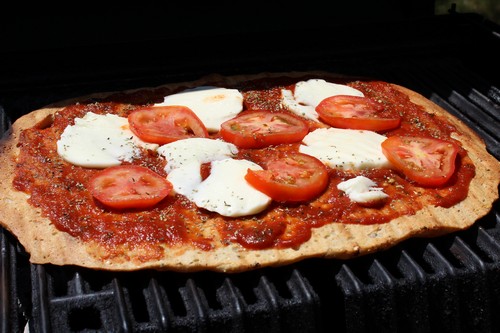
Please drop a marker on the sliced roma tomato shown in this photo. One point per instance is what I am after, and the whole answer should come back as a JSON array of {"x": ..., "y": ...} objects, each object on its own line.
[
  {"x": 427, "y": 161},
  {"x": 258, "y": 129},
  {"x": 165, "y": 124},
  {"x": 354, "y": 112},
  {"x": 294, "y": 177},
  {"x": 129, "y": 186}
]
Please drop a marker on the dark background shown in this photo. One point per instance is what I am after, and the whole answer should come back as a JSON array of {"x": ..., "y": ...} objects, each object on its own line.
[
  {"x": 81, "y": 36},
  {"x": 65, "y": 49}
]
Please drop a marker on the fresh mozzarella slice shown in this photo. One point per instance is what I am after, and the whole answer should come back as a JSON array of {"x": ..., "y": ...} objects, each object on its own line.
[
  {"x": 195, "y": 150},
  {"x": 305, "y": 111},
  {"x": 99, "y": 141},
  {"x": 213, "y": 105},
  {"x": 362, "y": 190},
  {"x": 186, "y": 179},
  {"x": 185, "y": 157},
  {"x": 312, "y": 92},
  {"x": 308, "y": 94},
  {"x": 345, "y": 148},
  {"x": 227, "y": 192}
]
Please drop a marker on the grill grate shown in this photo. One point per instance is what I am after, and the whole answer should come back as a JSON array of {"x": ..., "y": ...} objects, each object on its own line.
[
  {"x": 138, "y": 302},
  {"x": 447, "y": 284}
]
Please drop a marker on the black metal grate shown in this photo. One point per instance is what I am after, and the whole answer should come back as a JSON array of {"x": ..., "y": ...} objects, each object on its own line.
[{"x": 447, "y": 284}]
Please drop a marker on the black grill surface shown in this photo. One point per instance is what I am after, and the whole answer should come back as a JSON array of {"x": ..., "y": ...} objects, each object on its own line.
[{"x": 446, "y": 284}]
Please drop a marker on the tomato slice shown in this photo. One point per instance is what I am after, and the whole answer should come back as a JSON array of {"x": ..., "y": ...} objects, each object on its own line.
[
  {"x": 427, "y": 161},
  {"x": 294, "y": 177},
  {"x": 258, "y": 129},
  {"x": 129, "y": 186},
  {"x": 165, "y": 124},
  {"x": 355, "y": 112}
]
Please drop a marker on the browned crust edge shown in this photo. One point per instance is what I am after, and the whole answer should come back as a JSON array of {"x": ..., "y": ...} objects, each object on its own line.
[{"x": 48, "y": 245}]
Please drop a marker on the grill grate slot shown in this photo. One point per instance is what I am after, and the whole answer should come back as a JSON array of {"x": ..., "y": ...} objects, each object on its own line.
[
  {"x": 407, "y": 264},
  {"x": 380, "y": 275},
  {"x": 195, "y": 304},
  {"x": 443, "y": 292},
  {"x": 4, "y": 276},
  {"x": 160, "y": 308},
  {"x": 41, "y": 298},
  {"x": 354, "y": 301},
  {"x": 15, "y": 305},
  {"x": 267, "y": 294},
  {"x": 490, "y": 246},
  {"x": 231, "y": 298}
]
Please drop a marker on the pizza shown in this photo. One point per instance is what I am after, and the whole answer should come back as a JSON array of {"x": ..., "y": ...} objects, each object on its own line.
[{"x": 234, "y": 173}]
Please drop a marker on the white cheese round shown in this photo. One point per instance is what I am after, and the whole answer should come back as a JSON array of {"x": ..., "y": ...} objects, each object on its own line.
[
  {"x": 345, "y": 149},
  {"x": 308, "y": 94},
  {"x": 225, "y": 190},
  {"x": 99, "y": 141},
  {"x": 212, "y": 105},
  {"x": 185, "y": 157}
]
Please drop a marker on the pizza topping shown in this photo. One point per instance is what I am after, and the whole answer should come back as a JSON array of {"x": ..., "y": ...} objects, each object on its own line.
[
  {"x": 213, "y": 105},
  {"x": 164, "y": 124},
  {"x": 195, "y": 150},
  {"x": 258, "y": 129},
  {"x": 185, "y": 158},
  {"x": 345, "y": 149},
  {"x": 99, "y": 141},
  {"x": 355, "y": 112},
  {"x": 129, "y": 186},
  {"x": 308, "y": 94},
  {"x": 293, "y": 177},
  {"x": 427, "y": 161},
  {"x": 225, "y": 191},
  {"x": 362, "y": 190}
]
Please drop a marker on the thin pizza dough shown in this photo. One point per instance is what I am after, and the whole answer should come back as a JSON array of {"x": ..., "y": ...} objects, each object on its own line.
[{"x": 47, "y": 244}]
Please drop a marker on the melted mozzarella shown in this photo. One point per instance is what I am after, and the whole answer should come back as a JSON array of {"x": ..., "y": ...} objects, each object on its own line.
[
  {"x": 212, "y": 105},
  {"x": 362, "y": 190},
  {"x": 198, "y": 150},
  {"x": 345, "y": 149},
  {"x": 185, "y": 157},
  {"x": 225, "y": 190},
  {"x": 99, "y": 141},
  {"x": 308, "y": 94}
]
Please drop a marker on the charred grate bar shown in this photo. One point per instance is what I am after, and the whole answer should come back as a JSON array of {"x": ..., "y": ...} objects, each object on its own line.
[
  {"x": 172, "y": 302},
  {"x": 447, "y": 284}
]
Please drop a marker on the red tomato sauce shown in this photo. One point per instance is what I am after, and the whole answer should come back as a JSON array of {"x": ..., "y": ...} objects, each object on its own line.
[{"x": 59, "y": 188}]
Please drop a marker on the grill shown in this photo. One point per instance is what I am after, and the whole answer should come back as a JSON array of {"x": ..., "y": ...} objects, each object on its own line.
[{"x": 446, "y": 284}]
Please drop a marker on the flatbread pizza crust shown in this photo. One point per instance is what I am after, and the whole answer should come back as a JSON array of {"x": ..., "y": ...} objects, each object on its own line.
[{"x": 46, "y": 244}]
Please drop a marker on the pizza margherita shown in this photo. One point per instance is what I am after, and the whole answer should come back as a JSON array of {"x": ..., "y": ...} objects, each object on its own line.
[{"x": 232, "y": 173}]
